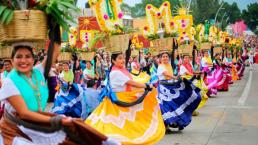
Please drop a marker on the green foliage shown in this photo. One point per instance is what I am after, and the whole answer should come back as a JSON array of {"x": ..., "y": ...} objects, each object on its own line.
[
  {"x": 153, "y": 37},
  {"x": 139, "y": 9},
  {"x": 6, "y": 14},
  {"x": 256, "y": 32},
  {"x": 167, "y": 35},
  {"x": 60, "y": 10},
  {"x": 250, "y": 16}
]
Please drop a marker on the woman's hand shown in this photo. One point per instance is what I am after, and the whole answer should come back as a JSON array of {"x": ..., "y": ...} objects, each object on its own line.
[
  {"x": 175, "y": 77},
  {"x": 66, "y": 121}
]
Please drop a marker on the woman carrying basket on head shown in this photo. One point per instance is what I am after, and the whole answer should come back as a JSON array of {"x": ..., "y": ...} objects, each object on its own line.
[
  {"x": 26, "y": 94},
  {"x": 177, "y": 98}
]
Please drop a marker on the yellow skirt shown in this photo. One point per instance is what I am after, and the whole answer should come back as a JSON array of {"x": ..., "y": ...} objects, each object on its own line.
[
  {"x": 141, "y": 124},
  {"x": 142, "y": 78},
  {"x": 204, "y": 90},
  {"x": 234, "y": 73}
]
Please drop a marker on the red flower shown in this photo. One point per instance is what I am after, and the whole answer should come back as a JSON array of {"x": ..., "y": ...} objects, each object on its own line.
[
  {"x": 32, "y": 3},
  {"x": 166, "y": 4},
  {"x": 158, "y": 14},
  {"x": 149, "y": 7},
  {"x": 146, "y": 28},
  {"x": 172, "y": 23}
]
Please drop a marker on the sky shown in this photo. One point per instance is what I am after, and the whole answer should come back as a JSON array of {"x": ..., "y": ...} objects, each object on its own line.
[{"x": 242, "y": 4}]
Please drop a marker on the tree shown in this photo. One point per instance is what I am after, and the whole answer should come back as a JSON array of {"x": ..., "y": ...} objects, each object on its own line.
[
  {"x": 250, "y": 16},
  {"x": 139, "y": 9},
  {"x": 125, "y": 7}
]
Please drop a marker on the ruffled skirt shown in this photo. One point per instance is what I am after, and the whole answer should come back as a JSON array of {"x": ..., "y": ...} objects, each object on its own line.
[
  {"x": 141, "y": 124},
  {"x": 178, "y": 102},
  {"x": 69, "y": 103}
]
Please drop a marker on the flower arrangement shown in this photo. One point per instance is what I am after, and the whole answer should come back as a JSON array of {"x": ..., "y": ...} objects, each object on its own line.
[
  {"x": 153, "y": 15},
  {"x": 109, "y": 14},
  {"x": 60, "y": 10}
]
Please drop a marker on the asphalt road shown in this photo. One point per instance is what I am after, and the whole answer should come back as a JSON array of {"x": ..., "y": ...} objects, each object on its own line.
[{"x": 230, "y": 118}]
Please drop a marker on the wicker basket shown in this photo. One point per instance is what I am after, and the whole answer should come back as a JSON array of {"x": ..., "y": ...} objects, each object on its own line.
[
  {"x": 5, "y": 51},
  {"x": 27, "y": 25},
  {"x": 217, "y": 50},
  {"x": 154, "y": 51},
  {"x": 167, "y": 43},
  {"x": 205, "y": 46},
  {"x": 162, "y": 44},
  {"x": 185, "y": 50},
  {"x": 117, "y": 43},
  {"x": 88, "y": 56},
  {"x": 65, "y": 56}
]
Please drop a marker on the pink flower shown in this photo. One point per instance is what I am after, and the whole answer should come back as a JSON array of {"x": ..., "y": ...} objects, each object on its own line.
[
  {"x": 71, "y": 36},
  {"x": 105, "y": 16},
  {"x": 182, "y": 38},
  {"x": 87, "y": 40},
  {"x": 116, "y": 25},
  {"x": 183, "y": 21},
  {"x": 183, "y": 25},
  {"x": 120, "y": 15},
  {"x": 149, "y": 7}
]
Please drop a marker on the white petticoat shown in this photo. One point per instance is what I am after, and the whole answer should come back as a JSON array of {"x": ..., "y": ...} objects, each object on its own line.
[{"x": 40, "y": 138}]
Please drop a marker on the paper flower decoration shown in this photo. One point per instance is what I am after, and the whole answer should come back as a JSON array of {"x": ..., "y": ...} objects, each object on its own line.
[
  {"x": 73, "y": 36},
  {"x": 153, "y": 15},
  {"x": 108, "y": 13}
]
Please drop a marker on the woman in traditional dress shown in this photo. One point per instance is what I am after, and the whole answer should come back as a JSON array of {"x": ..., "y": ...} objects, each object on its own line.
[
  {"x": 187, "y": 71},
  {"x": 209, "y": 74},
  {"x": 235, "y": 76},
  {"x": 227, "y": 61},
  {"x": 121, "y": 115},
  {"x": 177, "y": 99},
  {"x": 221, "y": 76},
  {"x": 26, "y": 93},
  {"x": 240, "y": 65},
  {"x": 138, "y": 74}
]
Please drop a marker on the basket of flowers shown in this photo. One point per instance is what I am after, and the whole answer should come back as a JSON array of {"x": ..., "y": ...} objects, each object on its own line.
[
  {"x": 185, "y": 50},
  {"x": 27, "y": 20},
  {"x": 118, "y": 40},
  {"x": 205, "y": 46}
]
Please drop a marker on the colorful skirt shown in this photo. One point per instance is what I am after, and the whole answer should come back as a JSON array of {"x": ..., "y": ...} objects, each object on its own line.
[
  {"x": 199, "y": 83},
  {"x": 141, "y": 124},
  {"x": 223, "y": 81},
  {"x": 240, "y": 69},
  {"x": 69, "y": 103},
  {"x": 178, "y": 101},
  {"x": 141, "y": 77},
  {"x": 204, "y": 90},
  {"x": 234, "y": 71}
]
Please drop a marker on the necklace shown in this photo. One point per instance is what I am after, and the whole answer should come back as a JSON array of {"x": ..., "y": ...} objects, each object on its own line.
[{"x": 35, "y": 89}]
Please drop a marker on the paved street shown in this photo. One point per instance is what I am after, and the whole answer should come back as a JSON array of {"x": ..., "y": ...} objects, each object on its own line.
[{"x": 231, "y": 118}]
